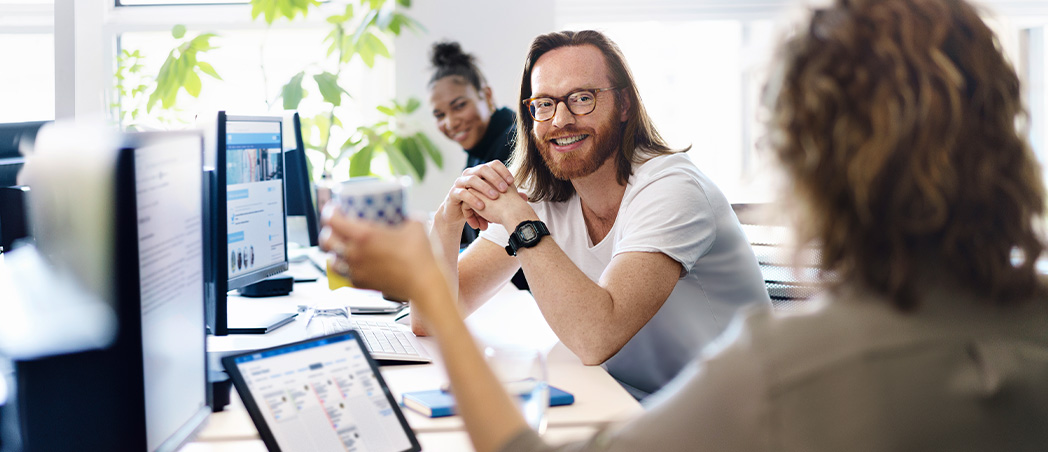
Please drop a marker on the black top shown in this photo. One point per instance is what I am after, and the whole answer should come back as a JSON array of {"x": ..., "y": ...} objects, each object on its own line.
[{"x": 497, "y": 142}]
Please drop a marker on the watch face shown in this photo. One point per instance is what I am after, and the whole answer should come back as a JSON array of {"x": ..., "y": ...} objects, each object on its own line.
[{"x": 528, "y": 233}]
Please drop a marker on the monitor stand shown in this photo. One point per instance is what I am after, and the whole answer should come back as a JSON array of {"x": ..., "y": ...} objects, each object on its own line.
[
  {"x": 258, "y": 322},
  {"x": 253, "y": 316}
]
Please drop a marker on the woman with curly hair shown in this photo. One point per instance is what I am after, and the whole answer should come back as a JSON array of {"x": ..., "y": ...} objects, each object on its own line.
[{"x": 895, "y": 121}]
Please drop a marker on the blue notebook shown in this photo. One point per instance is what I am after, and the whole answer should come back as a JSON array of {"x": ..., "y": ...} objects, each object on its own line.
[{"x": 437, "y": 403}]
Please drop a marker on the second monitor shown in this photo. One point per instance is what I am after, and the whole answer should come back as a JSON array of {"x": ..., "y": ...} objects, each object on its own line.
[
  {"x": 249, "y": 214},
  {"x": 301, "y": 196}
]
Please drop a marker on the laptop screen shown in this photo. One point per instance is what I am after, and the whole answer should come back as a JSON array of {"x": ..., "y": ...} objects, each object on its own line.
[{"x": 323, "y": 394}]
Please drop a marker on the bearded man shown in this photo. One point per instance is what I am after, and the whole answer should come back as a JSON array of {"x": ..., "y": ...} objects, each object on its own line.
[{"x": 645, "y": 262}]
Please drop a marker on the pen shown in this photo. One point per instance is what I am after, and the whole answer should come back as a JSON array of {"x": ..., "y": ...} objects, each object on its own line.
[{"x": 403, "y": 313}]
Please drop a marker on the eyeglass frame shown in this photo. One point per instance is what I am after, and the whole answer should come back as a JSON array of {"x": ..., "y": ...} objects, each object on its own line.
[{"x": 564, "y": 100}]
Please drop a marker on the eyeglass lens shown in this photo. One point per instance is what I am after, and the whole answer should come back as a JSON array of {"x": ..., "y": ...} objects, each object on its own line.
[{"x": 579, "y": 103}]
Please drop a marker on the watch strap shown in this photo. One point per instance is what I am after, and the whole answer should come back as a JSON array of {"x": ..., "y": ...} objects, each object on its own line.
[{"x": 516, "y": 243}]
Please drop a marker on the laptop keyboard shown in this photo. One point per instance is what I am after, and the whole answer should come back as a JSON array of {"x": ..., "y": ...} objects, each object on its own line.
[{"x": 390, "y": 341}]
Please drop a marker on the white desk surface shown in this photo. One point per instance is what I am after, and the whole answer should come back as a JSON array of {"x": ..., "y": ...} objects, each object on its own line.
[
  {"x": 457, "y": 441},
  {"x": 511, "y": 317}
]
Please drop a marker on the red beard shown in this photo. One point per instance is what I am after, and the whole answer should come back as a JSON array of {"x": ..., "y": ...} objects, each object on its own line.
[{"x": 581, "y": 162}]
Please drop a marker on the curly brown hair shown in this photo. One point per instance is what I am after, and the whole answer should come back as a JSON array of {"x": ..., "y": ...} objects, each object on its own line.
[{"x": 897, "y": 122}]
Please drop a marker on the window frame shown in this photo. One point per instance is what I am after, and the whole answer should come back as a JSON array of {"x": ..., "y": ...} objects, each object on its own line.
[{"x": 88, "y": 39}]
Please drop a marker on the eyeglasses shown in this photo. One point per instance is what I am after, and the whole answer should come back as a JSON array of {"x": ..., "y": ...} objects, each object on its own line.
[{"x": 581, "y": 102}]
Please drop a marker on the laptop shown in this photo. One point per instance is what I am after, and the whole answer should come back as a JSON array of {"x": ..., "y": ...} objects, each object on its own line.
[{"x": 321, "y": 394}]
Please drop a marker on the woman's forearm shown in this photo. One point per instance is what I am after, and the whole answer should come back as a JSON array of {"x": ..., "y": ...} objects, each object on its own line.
[{"x": 489, "y": 414}]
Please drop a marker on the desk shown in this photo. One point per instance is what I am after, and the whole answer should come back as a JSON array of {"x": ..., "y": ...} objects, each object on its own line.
[{"x": 511, "y": 317}]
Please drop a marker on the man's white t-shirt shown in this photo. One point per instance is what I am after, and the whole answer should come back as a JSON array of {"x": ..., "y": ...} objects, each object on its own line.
[{"x": 669, "y": 207}]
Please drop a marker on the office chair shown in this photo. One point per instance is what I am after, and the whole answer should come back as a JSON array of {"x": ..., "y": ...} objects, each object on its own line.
[{"x": 790, "y": 279}]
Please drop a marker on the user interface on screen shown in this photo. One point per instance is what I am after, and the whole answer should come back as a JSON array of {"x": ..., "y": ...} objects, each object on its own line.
[
  {"x": 254, "y": 196},
  {"x": 322, "y": 395}
]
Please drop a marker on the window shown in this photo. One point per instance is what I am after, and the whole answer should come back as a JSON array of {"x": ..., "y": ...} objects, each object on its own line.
[
  {"x": 704, "y": 89},
  {"x": 27, "y": 82},
  {"x": 254, "y": 60}
]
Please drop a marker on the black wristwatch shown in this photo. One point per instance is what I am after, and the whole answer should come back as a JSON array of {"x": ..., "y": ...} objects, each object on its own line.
[{"x": 527, "y": 235}]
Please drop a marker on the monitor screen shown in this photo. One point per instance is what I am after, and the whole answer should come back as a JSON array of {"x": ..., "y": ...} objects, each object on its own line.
[
  {"x": 303, "y": 227},
  {"x": 169, "y": 205},
  {"x": 320, "y": 394},
  {"x": 256, "y": 245}
]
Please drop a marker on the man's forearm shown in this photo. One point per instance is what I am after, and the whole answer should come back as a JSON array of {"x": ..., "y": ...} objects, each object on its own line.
[
  {"x": 446, "y": 240},
  {"x": 595, "y": 320},
  {"x": 487, "y": 411},
  {"x": 579, "y": 311}
]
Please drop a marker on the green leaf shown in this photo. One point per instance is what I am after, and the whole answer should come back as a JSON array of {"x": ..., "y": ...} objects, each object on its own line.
[
  {"x": 400, "y": 21},
  {"x": 169, "y": 99},
  {"x": 332, "y": 48},
  {"x": 396, "y": 24},
  {"x": 163, "y": 82},
  {"x": 348, "y": 49},
  {"x": 272, "y": 9},
  {"x": 366, "y": 55},
  {"x": 431, "y": 149},
  {"x": 413, "y": 105},
  {"x": 178, "y": 31},
  {"x": 414, "y": 155},
  {"x": 399, "y": 164},
  {"x": 360, "y": 162},
  {"x": 404, "y": 3},
  {"x": 208, "y": 69},
  {"x": 292, "y": 92},
  {"x": 369, "y": 19},
  {"x": 342, "y": 18},
  {"x": 385, "y": 110},
  {"x": 201, "y": 43},
  {"x": 287, "y": 9},
  {"x": 192, "y": 84},
  {"x": 256, "y": 9},
  {"x": 353, "y": 141},
  {"x": 328, "y": 84},
  {"x": 376, "y": 45}
]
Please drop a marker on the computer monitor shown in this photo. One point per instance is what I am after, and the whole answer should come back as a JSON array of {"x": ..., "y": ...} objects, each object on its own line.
[
  {"x": 12, "y": 136},
  {"x": 167, "y": 209},
  {"x": 147, "y": 390},
  {"x": 303, "y": 226},
  {"x": 14, "y": 224},
  {"x": 247, "y": 217}
]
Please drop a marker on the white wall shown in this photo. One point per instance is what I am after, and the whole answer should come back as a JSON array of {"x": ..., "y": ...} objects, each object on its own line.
[{"x": 498, "y": 33}]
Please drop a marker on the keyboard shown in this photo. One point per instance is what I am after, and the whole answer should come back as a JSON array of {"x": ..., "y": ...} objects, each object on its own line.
[
  {"x": 385, "y": 340},
  {"x": 390, "y": 341}
]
